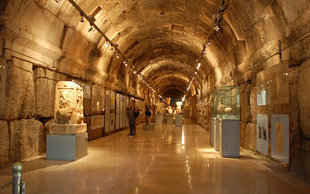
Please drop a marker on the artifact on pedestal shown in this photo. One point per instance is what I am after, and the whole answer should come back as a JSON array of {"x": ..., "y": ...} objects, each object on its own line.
[
  {"x": 169, "y": 109},
  {"x": 179, "y": 107},
  {"x": 160, "y": 108},
  {"x": 67, "y": 139},
  {"x": 68, "y": 115}
]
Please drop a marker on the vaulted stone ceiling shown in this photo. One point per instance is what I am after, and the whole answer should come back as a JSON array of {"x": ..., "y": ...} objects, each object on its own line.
[{"x": 162, "y": 38}]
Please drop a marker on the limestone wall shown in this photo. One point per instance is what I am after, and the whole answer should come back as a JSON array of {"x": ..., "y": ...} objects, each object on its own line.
[
  {"x": 29, "y": 108},
  {"x": 258, "y": 33},
  {"x": 43, "y": 42}
]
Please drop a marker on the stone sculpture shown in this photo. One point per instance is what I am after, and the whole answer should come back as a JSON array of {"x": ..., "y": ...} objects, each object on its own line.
[
  {"x": 221, "y": 108},
  {"x": 179, "y": 108},
  {"x": 160, "y": 108},
  {"x": 169, "y": 110},
  {"x": 68, "y": 115},
  {"x": 228, "y": 110}
]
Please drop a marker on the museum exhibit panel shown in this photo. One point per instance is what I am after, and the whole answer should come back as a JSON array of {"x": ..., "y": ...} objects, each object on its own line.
[{"x": 222, "y": 78}]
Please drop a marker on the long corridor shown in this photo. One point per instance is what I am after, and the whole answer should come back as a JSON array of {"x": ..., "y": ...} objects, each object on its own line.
[{"x": 165, "y": 160}]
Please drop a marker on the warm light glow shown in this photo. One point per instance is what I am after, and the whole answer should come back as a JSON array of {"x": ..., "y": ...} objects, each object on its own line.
[
  {"x": 183, "y": 137},
  {"x": 198, "y": 65}
]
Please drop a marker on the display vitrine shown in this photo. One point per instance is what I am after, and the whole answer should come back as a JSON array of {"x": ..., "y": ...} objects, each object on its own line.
[{"x": 226, "y": 103}]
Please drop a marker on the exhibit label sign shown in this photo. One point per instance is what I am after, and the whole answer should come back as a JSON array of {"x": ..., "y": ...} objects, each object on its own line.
[
  {"x": 97, "y": 122},
  {"x": 280, "y": 137},
  {"x": 262, "y": 133}
]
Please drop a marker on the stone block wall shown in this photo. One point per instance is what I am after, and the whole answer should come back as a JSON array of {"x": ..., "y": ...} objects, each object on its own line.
[
  {"x": 297, "y": 108},
  {"x": 19, "y": 94},
  {"x": 29, "y": 109},
  {"x": 26, "y": 139},
  {"x": 4, "y": 142}
]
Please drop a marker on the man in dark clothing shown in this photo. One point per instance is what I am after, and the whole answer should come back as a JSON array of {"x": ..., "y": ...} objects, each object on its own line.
[
  {"x": 131, "y": 115},
  {"x": 147, "y": 114}
]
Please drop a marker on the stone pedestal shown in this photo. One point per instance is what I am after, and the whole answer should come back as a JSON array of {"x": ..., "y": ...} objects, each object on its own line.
[
  {"x": 159, "y": 119},
  {"x": 148, "y": 127},
  {"x": 66, "y": 147},
  {"x": 178, "y": 120},
  {"x": 229, "y": 138},
  {"x": 169, "y": 119},
  {"x": 67, "y": 129},
  {"x": 212, "y": 127},
  {"x": 216, "y": 134}
]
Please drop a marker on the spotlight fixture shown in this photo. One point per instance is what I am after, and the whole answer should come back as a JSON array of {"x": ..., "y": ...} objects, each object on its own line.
[
  {"x": 82, "y": 18},
  {"x": 134, "y": 72},
  {"x": 91, "y": 28},
  {"x": 106, "y": 44},
  {"x": 195, "y": 72},
  {"x": 198, "y": 65},
  {"x": 117, "y": 56},
  {"x": 204, "y": 52},
  {"x": 209, "y": 43},
  {"x": 216, "y": 28}
]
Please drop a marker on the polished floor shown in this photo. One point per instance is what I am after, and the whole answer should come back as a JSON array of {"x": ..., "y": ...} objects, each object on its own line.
[{"x": 166, "y": 160}]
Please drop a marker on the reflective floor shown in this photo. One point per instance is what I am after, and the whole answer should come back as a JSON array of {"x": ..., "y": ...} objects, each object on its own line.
[{"x": 165, "y": 160}]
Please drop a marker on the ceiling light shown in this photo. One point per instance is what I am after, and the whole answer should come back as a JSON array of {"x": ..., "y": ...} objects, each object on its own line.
[
  {"x": 117, "y": 56},
  {"x": 208, "y": 42},
  {"x": 195, "y": 72},
  {"x": 216, "y": 28},
  {"x": 198, "y": 65},
  {"x": 106, "y": 44},
  {"x": 90, "y": 29}
]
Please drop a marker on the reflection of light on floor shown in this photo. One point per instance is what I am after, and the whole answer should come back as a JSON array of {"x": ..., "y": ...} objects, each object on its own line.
[
  {"x": 208, "y": 153},
  {"x": 183, "y": 136},
  {"x": 169, "y": 139},
  {"x": 137, "y": 190}
]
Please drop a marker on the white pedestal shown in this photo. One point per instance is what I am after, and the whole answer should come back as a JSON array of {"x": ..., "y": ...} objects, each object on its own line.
[
  {"x": 178, "y": 120},
  {"x": 169, "y": 119},
  {"x": 212, "y": 130},
  {"x": 159, "y": 119},
  {"x": 66, "y": 147},
  {"x": 216, "y": 134},
  {"x": 229, "y": 142}
]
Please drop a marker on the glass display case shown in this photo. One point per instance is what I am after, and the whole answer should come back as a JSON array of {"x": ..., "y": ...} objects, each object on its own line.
[{"x": 226, "y": 103}]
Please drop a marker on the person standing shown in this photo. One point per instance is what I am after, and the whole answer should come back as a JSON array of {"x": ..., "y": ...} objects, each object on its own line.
[
  {"x": 147, "y": 114},
  {"x": 132, "y": 113}
]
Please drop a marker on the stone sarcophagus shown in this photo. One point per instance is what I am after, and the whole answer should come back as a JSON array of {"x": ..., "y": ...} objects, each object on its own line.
[{"x": 68, "y": 115}]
